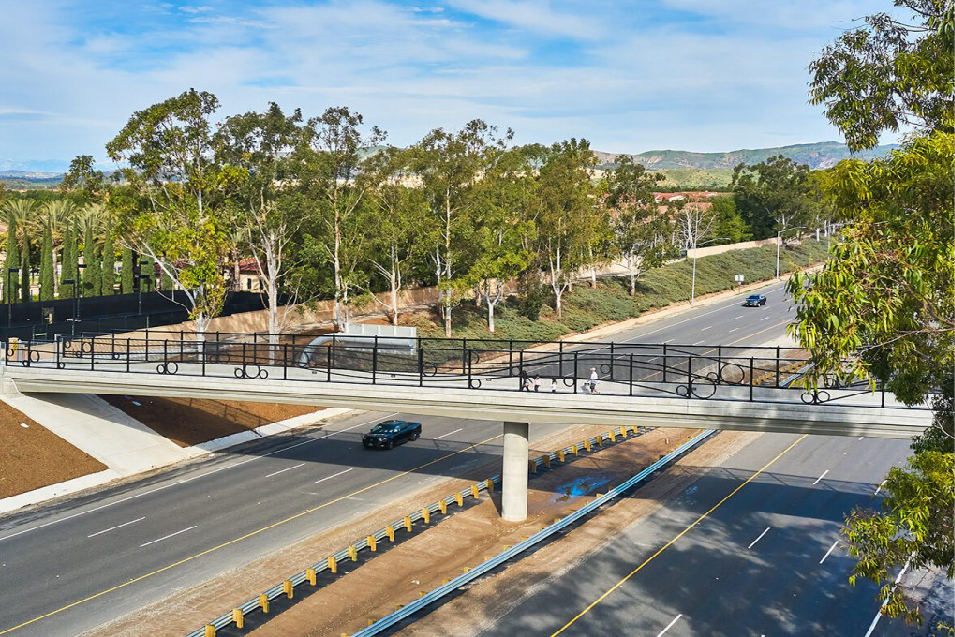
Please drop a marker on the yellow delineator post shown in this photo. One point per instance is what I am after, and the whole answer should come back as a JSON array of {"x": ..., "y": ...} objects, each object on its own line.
[
  {"x": 574, "y": 450},
  {"x": 371, "y": 621},
  {"x": 372, "y": 543},
  {"x": 458, "y": 499},
  {"x": 587, "y": 444},
  {"x": 426, "y": 515},
  {"x": 391, "y": 533},
  {"x": 312, "y": 576},
  {"x": 353, "y": 553},
  {"x": 210, "y": 630},
  {"x": 561, "y": 456},
  {"x": 600, "y": 440},
  {"x": 490, "y": 486},
  {"x": 238, "y": 618},
  {"x": 264, "y": 603},
  {"x": 408, "y": 523},
  {"x": 287, "y": 587},
  {"x": 475, "y": 491},
  {"x": 613, "y": 435},
  {"x": 443, "y": 506},
  {"x": 623, "y": 432},
  {"x": 332, "y": 564}
]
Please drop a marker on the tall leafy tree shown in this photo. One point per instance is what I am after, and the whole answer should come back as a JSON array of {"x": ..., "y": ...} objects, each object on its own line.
[
  {"x": 728, "y": 225},
  {"x": 172, "y": 167},
  {"x": 269, "y": 214},
  {"x": 46, "y": 265},
  {"x": 449, "y": 164},
  {"x": 57, "y": 215},
  {"x": 11, "y": 283},
  {"x": 69, "y": 272},
  {"x": 772, "y": 195},
  {"x": 108, "y": 262},
  {"x": 330, "y": 170},
  {"x": 883, "y": 306},
  {"x": 92, "y": 268},
  {"x": 640, "y": 229},
  {"x": 127, "y": 275}
]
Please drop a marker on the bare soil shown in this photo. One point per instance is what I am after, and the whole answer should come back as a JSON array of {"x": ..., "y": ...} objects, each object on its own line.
[
  {"x": 32, "y": 456},
  {"x": 188, "y": 421},
  {"x": 399, "y": 574}
]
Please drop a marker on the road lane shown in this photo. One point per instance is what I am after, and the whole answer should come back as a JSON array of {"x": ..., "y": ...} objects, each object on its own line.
[{"x": 238, "y": 493}]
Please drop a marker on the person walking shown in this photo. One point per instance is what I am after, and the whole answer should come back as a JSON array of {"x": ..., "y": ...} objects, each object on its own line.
[
  {"x": 553, "y": 385},
  {"x": 537, "y": 383},
  {"x": 593, "y": 380}
]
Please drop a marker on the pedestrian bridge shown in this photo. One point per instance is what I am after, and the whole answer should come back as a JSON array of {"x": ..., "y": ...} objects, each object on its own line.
[{"x": 752, "y": 389}]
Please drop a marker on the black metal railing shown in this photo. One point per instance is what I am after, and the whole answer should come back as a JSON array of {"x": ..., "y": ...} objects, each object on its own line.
[{"x": 626, "y": 369}]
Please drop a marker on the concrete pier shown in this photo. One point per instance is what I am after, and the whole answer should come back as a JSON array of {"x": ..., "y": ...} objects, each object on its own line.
[{"x": 514, "y": 474}]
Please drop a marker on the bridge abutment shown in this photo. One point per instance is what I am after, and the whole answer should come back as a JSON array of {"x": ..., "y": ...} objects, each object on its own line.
[{"x": 514, "y": 473}]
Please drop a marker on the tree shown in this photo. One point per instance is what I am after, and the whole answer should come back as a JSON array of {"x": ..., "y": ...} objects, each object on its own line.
[
  {"x": 399, "y": 234},
  {"x": 565, "y": 200},
  {"x": 10, "y": 283},
  {"x": 639, "y": 228},
  {"x": 169, "y": 148},
  {"x": 57, "y": 215},
  {"x": 70, "y": 271},
  {"x": 449, "y": 164},
  {"x": 889, "y": 73},
  {"x": 108, "y": 263},
  {"x": 92, "y": 267},
  {"x": 127, "y": 275},
  {"x": 46, "y": 265},
  {"x": 883, "y": 306},
  {"x": 331, "y": 169},
  {"x": 771, "y": 195},
  {"x": 261, "y": 144},
  {"x": 729, "y": 226},
  {"x": 82, "y": 177}
]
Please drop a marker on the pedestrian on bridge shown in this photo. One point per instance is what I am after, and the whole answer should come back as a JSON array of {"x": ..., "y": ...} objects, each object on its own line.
[
  {"x": 537, "y": 383},
  {"x": 593, "y": 380},
  {"x": 553, "y": 385}
]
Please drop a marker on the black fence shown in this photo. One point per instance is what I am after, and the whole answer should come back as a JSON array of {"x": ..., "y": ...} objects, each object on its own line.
[
  {"x": 111, "y": 313},
  {"x": 755, "y": 374}
]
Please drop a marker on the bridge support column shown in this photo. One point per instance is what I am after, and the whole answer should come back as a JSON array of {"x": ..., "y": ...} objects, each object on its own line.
[{"x": 514, "y": 474}]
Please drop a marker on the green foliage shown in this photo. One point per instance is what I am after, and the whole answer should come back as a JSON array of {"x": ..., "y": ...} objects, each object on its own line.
[
  {"x": 108, "y": 262},
  {"x": 729, "y": 222},
  {"x": 92, "y": 267},
  {"x": 46, "y": 265},
  {"x": 11, "y": 281},
  {"x": 69, "y": 271},
  {"x": 772, "y": 195},
  {"x": 128, "y": 273}
]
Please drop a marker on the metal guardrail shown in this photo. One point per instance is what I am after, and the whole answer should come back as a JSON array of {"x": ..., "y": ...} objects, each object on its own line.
[
  {"x": 370, "y": 542},
  {"x": 489, "y": 565}
]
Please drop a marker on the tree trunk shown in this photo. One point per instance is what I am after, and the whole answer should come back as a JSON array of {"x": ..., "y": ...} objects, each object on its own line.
[
  {"x": 557, "y": 294},
  {"x": 490, "y": 316}
]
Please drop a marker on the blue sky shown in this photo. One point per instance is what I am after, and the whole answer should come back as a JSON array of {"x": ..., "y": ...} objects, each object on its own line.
[{"x": 701, "y": 75}]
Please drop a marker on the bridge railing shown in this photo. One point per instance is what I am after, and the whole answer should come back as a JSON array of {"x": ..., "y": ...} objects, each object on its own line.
[{"x": 757, "y": 374}]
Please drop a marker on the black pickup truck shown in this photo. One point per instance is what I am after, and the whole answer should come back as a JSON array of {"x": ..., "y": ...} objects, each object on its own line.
[{"x": 387, "y": 434}]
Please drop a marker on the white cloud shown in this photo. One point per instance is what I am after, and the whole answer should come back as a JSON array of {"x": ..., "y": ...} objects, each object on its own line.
[{"x": 537, "y": 16}]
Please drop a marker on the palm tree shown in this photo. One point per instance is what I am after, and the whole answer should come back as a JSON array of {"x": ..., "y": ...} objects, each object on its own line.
[
  {"x": 21, "y": 214},
  {"x": 57, "y": 215}
]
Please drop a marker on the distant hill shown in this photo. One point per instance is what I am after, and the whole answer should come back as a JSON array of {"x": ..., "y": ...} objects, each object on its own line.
[{"x": 816, "y": 155}]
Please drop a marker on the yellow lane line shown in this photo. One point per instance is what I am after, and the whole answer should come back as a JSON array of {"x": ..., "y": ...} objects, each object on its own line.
[
  {"x": 244, "y": 537},
  {"x": 681, "y": 534}
]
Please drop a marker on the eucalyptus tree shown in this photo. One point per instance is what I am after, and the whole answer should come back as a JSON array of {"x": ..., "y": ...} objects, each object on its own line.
[
  {"x": 399, "y": 234},
  {"x": 773, "y": 195},
  {"x": 262, "y": 145},
  {"x": 333, "y": 172},
  {"x": 566, "y": 201},
  {"x": 449, "y": 165},
  {"x": 639, "y": 228},
  {"x": 181, "y": 220}
]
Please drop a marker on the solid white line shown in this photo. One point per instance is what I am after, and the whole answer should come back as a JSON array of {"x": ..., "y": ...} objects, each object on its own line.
[
  {"x": 18, "y": 533},
  {"x": 831, "y": 549},
  {"x": 670, "y": 625},
  {"x": 703, "y": 329},
  {"x": 880, "y": 487},
  {"x": 100, "y": 532},
  {"x": 166, "y": 537},
  {"x": 334, "y": 475},
  {"x": 284, "y": 470},
  {"x": 878, "y": 615},
  {"x": 821, "y": 477},
  {"x": 449, "y": 433},
  {"x": 131, "y": 522},
  {"x": 758, "y": 539}
]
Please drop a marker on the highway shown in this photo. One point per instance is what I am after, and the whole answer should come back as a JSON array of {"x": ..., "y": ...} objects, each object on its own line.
[{"x": 69, "y": 567}]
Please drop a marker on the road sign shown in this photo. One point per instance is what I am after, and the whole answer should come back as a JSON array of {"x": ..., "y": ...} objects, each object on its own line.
[{"x": 739, "y": 278}]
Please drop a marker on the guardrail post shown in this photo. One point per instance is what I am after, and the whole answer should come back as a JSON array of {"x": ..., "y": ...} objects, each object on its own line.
[
  {"x": 353, "y": 553},
  {"x": 574, "y": 450},
  {"x": 442, "y": 506},
  {"x": 587, "y": 444},
  {"x": 372, "y": 543},
  {"x": 426, "y": 515},
  {"x": 408, "y": 523},
  {"x": 287, "y": 588},
  {"x": 312, "y": 576},
  {"x": 390, "y": 530},
  {"x": 458, "y": 499},
  {"x": 210, "y": 630},
  {"x": 332, "y": 564},
  {"x": 264, "y": 603},
  {"x": 238, "y": 618},
  {"x": 475, "y": 491},
  {"x": 560, "y": 455},
  {"x": 490, "y": 486}
]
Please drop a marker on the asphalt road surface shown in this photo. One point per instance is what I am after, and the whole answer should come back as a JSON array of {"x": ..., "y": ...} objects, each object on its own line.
[{"x": 69, "y": 567}]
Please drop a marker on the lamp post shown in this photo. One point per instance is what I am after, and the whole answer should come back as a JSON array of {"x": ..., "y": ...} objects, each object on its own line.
[
  {"x": 79, "y": 292},
  {"x": 10, "y": 294},
  {"x": 779, "y": 241},
  {"x": 693, "y": 278},
  {"x": 72, "y": 284}
]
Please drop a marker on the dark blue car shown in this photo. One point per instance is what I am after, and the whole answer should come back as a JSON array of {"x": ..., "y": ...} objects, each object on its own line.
[
  {"x": 755, "y": 300},
  {"x": 386, "y": 435}
]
